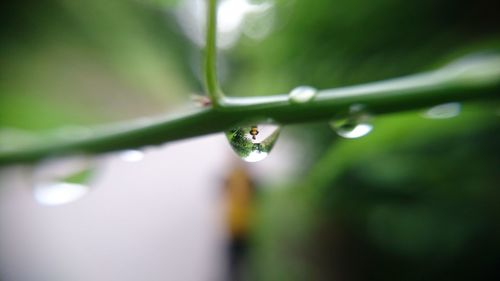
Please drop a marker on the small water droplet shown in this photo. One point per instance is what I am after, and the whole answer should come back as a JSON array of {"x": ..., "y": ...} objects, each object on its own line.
[
  {"x": 131, "y": 155},
  {"x": 357, "y": 123},
  {"x": 14, "y": 138},
  {"x": 61, "y": 181},
  {"x": 443, "y": 111},
  {"x": 74, "y": 132},
  {"x": 58, "y": 193},
  {"x": 253, "y": 143},
  {"x": 302, "y": 94}
]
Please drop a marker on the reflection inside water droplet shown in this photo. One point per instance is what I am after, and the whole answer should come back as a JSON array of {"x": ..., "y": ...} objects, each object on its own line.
[
  {"x": 443, "y": 111},
  {"x": 61, "y": 181},
  {"x": 131, "y": 155},
  {"x": 253, "y": 143},
  {"x": 357, "y": 123},
  {"x": 302, "y": 94}
]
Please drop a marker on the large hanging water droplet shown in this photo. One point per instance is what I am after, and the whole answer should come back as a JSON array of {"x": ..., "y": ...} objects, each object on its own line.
[
  {"x": 61, "y": 181},
  {"x": 357, "y": 123},
  {"x": 253, "y": 143},
  {"x": 302, "y": 94},
  {"x": 443, "y": 111}
]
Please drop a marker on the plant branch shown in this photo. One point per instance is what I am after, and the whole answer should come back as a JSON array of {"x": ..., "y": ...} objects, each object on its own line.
[
  {"x": 210, "y": 64},
  {"x": 469, "y": 79}
]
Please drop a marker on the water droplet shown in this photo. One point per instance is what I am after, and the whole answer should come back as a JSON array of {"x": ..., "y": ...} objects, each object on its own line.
[
  {"x": 131, "y": 155},
  {"x": 59, "y": 193},
  {"x": 14, "y": 138},
  {"x": 474, "y": 69},
  {"x": 253, "y": 143},
  {"x": 74, "y": 132},
  {"x": 357, "y": 123},
  {"x": 61, "y": 181},
  {"x": 302, "y": 94},
  {"x": 443, "y": 111}
]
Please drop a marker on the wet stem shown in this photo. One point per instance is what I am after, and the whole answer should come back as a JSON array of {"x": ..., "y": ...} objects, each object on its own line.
[{"x": 468, "y": 79}]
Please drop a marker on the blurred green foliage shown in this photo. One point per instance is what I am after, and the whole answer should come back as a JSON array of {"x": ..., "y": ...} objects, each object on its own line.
[
  {"x": 417, "y": 199},
  {"x": 328, "y": 43},
  {"x": 85, "y": 62}
]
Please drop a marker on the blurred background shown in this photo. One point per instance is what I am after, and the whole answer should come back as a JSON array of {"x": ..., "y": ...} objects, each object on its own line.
[{"x": 415, "y": 199}]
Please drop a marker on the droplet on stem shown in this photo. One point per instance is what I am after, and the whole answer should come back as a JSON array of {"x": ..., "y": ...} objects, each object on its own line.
[
  {"x": 357, "y": 123},
  {"x": 302, "y": 94},
  {"x": 253, "y": 143},
  {"x": 61, "y": 181},
  {"x": 443, "y": 111}
]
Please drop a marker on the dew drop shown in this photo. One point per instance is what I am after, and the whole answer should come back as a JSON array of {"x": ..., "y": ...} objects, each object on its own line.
[
  {"x": 254, "y": 142},
  {"x": 443, "y": 111},
  {"x": 131, "y": 155},
  {"x": 14, "y": 139},
  {"x": 74, "y": 132},
  {"x": 357, "y": 123},
  {"x": 61, "y": 181},
  {"x": 58, "y": 193},
  {"x": 302, "y": 94}
]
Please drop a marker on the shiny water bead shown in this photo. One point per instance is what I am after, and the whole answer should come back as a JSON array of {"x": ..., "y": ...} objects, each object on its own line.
[
  {"x": 443, "y": 111},
  {"x": 302, "y": 94},
  {"x": 355, "y": 125},
  {"x": 131, "y": 155},
  {"x": 61, "y": 181}
]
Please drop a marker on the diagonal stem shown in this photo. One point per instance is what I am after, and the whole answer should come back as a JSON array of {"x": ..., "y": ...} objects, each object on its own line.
[{"x": 476, "y": 79}]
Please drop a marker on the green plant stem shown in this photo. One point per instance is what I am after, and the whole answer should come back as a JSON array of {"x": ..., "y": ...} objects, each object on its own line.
[
  {"x": 210, "y": 64},
  {"x": 464, "y": 80}
]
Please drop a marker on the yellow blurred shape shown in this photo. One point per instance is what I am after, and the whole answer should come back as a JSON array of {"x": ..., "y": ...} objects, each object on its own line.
[{"x": 239, "y": 192}]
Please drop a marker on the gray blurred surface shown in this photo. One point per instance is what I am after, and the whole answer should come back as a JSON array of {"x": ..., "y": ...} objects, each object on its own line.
[
  {"x": 157, "y": 219},
  {"x": 151, "y": 220}
]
